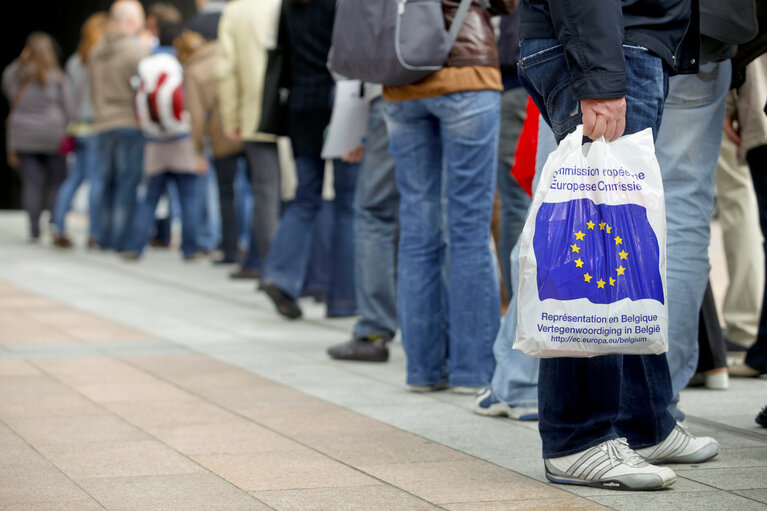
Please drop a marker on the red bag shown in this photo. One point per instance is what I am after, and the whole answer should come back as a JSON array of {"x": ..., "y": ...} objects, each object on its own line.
[{"x": 67, "y": 145}]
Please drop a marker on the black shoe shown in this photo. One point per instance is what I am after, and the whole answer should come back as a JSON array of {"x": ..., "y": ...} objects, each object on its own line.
[
  {"x": 286, "y": 305},
  {"x": 761, "y": 419},
  {"x": 367, "y": 349},
  {"x": 224, "y": 260},
  {"x": 246, "y": 273}
]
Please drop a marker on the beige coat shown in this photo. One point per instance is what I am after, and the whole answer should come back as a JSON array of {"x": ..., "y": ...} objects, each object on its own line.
[
  {"x": 749, "y": 104},
  {"x": 248, "y": 28},
  {"x": 113, "y": 64},
  {"x": 202, "y": 102}
]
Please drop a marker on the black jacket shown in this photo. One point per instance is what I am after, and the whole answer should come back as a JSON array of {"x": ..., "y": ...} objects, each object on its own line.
[
  {"x": 310, "y": 26},
  {"x": 592, "y": 32}
]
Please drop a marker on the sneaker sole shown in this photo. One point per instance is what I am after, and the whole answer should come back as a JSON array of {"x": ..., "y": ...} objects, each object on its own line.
[
  {"x": 503, "y": 411},
  {"x": 609, "y": 484}
]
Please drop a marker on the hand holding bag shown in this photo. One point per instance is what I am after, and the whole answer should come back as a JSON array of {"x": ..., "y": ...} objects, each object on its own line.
[{"x": 593, "y": 252}]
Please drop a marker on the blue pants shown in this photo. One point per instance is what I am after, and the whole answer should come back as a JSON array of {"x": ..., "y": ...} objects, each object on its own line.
[
  {"x": 376, "y": 202},
  {"x": 288, "y": 260},
  {"x": 188, "y": 192},
  {"x": 87, "y": 165},
  {"x": 447, "y": 336},
  {"x": 583, "y": 402},
  {"x": 122, "y": 152}
]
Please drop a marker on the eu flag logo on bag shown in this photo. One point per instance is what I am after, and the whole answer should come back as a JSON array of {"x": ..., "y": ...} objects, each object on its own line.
[{"x": 595, "y": 251}]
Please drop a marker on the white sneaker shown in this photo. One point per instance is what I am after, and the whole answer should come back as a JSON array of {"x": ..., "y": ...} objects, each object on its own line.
[
  {"x": 487, "y": 404},
  {"x": 681, "y": 447},
  {"x": 612, "y": 465}
]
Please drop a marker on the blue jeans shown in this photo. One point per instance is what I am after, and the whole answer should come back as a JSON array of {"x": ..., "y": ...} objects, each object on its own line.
[
  {"x": 514, "y": 200},
  {"x": 583, "y": 402},
  {"x": 375, "y": 232},
  {"x": 188, "y": 192},
  {"x": 87, "y": 165},
  {"x": 515, "y": 381},
  {"x": 209, "y": 230},
  {"x": 687, "y": 150},
  {"x": 288, "y": 260},
  {"x": 447, "y": 337},
  {"x": 122, "y": 152}
]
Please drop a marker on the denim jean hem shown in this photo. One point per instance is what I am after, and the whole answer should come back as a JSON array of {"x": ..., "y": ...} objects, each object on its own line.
[
  {"x": 341, "y": 311},
  {"x": 426, "y": 381},
  {"x": 587, "y": 445}
]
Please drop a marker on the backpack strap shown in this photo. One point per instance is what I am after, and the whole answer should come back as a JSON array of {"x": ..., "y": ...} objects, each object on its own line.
[{"x": 460, "y": 15}]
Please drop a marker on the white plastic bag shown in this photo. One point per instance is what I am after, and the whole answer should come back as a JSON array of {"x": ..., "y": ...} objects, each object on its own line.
[{"x": 592, "y": 261}]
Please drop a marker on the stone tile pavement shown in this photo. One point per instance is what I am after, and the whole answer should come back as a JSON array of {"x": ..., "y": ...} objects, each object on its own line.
[{"x": 162, "y": 385}]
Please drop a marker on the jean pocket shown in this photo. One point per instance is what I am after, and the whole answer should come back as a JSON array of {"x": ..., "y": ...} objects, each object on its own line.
[{"x": 540, "y": 51}]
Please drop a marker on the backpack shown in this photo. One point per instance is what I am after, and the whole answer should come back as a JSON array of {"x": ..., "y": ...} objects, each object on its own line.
[
  {"x": 160, "y": 100},
  {"x": 392, "y": 42}
]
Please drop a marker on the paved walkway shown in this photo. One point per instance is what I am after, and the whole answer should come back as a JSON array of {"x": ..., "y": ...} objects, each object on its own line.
[{"x": 162, "y": 385}]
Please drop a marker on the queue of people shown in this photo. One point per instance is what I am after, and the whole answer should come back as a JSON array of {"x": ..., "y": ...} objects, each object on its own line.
[{"x": 157, "y": 107}]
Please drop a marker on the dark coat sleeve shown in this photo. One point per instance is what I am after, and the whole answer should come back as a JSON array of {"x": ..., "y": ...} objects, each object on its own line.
[{"x": 591, "y": 32}]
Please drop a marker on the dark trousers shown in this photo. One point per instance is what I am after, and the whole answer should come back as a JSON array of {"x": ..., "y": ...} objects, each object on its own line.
[
  {"x": 757, "y": 162},
  {"x": 42, "y": 175},
  {"x": 226, "y": 170},
  {"x": 713, "y": 351}
]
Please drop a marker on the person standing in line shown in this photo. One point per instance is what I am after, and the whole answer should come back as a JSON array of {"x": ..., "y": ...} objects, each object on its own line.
[
  {"x": 746, "y": 127},
  {"x": 514, "y": 200},
  {"x": 169, "y": 153},
  {"x": 40, "y": 109},
  {"x": 376, "y": 202},
  {"x": 113, "y": 64},
  {"x": 207, "y": 19},
  {"x": 208, "y": 132},
  {"x": 606, "y": 421},
  {"x": 247, "y": 29},
  {"x": 450, "y": 120},
  {"x": 310, "y": 25},
  {"x": 87, "y": 165}
]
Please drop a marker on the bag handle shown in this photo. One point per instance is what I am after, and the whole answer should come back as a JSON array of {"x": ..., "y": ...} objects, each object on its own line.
[{"x": 460, "y": 15}]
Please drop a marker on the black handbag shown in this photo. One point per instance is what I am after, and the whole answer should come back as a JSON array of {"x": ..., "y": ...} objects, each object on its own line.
[{"x": 276, "y": 93}]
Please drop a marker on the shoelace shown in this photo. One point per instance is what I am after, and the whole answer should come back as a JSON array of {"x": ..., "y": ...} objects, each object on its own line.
[{"x": 618, "y": 451}]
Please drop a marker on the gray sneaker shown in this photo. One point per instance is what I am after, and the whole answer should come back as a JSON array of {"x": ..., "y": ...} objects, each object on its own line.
[
  {"x": 612, "y": 465},
  {"x": 681, "y": 447}
]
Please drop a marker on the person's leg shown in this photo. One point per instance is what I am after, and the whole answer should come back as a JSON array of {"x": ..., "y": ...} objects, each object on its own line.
[
  {"x": 226, "y": 170},
  {"x": 265, "y": 170},
  {"x": 375, "y": 233},
  {"x": 469, "y": 125},
  {"x": 143, "y": 219},
  {"x": 77, "y": 173},
  {"x": 243, "y": 199},
  {"x": 515, "y": 380},
  {"x": 340, "y": 298},
  {"x": 33, "y": 184},
  {"x": 190, "y": 197},
  {"x": 742, "y": 237},
  {"x": 756, "y": 357},
  {"x": 56, "y": 173},
  {"x": 575, "y": 412},
  {"x": 687, "y": 149},
  {"x": 514, "y": 201},
  {"x": 712, "y": 360},
  {"x": 91, "y": 157},
  {"x": 128, "y": 169},
  {"x": 107, "y": 142},
  {"x": 415, "y": 143},
  {"x": 289, "y": 255},
  {"x": 209, "y": 222}
]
